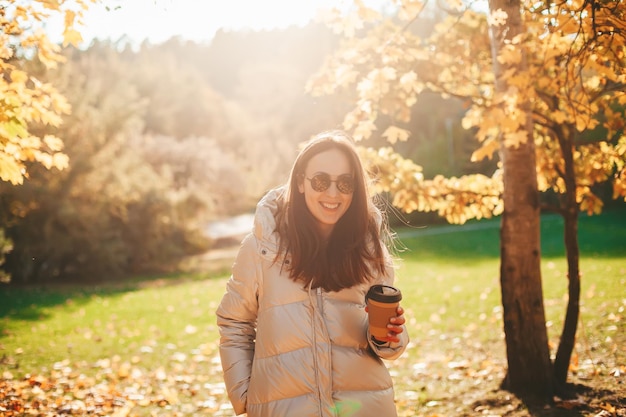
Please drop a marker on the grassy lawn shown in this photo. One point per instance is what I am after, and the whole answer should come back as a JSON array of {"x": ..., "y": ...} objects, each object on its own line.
[{"x": 150, "y": 347}]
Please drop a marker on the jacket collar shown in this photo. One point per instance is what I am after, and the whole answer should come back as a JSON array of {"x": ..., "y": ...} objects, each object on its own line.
[{"x": 264, "y": 218}]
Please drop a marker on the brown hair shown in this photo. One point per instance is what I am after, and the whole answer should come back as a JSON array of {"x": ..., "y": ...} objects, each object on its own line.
[{"x": 354, "y": 252}]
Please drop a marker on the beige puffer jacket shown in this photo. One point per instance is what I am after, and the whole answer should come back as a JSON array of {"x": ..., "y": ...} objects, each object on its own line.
[{"x": 286, "y": 351}]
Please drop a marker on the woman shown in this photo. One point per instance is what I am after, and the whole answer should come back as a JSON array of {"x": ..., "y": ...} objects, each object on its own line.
[{"x": 293, "y": 325}]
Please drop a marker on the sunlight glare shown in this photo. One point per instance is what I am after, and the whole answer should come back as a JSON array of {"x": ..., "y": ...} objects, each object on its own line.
[{"x": 159, "y": 20}]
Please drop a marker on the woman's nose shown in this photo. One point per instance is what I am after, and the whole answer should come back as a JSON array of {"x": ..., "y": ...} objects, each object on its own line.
[{"x": 332, "y": 190}]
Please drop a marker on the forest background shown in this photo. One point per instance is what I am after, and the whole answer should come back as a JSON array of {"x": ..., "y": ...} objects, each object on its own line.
[{"x": 165, "y": 138}]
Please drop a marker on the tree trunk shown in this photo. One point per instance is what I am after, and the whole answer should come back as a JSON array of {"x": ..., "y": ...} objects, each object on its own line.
[
  {"x": 568, "y": 335},
  {"x": 528, "y": 355},
  {"x": 529, "y": 368},
  {"x": 570, "y": 232}
]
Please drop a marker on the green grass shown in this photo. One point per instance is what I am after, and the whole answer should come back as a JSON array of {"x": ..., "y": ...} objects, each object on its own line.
[
  {"x": 44, "y": 326},
  {"x": 164, "y": 330},
  {"x": 455, "y": 269}
]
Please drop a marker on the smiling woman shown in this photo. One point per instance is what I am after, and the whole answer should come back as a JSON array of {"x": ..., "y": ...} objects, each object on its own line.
[
  {"x": 159, "y": 20},
  {"x": 294, "y": 328}
]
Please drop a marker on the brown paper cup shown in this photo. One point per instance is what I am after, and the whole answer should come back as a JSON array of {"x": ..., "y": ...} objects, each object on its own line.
[{"x": 382, "y": 303}]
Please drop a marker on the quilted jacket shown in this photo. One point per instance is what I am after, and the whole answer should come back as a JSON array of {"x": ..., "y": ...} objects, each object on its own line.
[{"x": 289, "y": 351}]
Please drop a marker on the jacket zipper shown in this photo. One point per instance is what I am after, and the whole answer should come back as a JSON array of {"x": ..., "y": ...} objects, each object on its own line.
[
  {"x": 314, "y": 351},
  {"x": 320, "y": 302},
  {"x": 322, "y": 324}
]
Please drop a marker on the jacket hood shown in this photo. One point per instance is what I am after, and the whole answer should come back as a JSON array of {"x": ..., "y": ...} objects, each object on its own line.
[{"x": 264, "y": 217}]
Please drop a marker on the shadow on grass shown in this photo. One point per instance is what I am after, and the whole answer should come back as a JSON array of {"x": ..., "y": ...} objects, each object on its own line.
[
  {"x": 31, "y": 302},
  {"x": 35, "y": 302},
  {"x": 598, "y": 236},
  {"x": 584, "y": 401}
]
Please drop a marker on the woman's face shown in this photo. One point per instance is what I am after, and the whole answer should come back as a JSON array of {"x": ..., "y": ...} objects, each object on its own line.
[{"x": 327, "y": 206}]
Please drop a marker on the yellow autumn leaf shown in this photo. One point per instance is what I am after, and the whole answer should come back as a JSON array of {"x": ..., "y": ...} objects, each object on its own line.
[
  {"x": 472, "y": 117},
  {"x": 367, "y": 13},
  {"x": 70, "y": 18},
  {"x": 18, "y": 77},
  {"x": 364, "y": 130},
  {"x": 44, "y": 159},
  {"x": 515, "y": 138},
  {"x": 619, "y": 185},
  {"x": 558, "y": 116},
  {"x": 10, "y": 169},
  {"x": 72, "y": 37},
  {"x": 487, "y": 149},
  {"x": 389, "y": 73},
  {"x": 60, "y": 161},
  {"x": 13, "y": 149},
  {"x": 510, "y": 55},
  {"x": 593, "y": 82},
  {"x": 345, "y": 74},
  {"x": 6, "y": 52},
  {"x": 591, "y": 204},
  {"x": 394, "y": 134},
  {"x": 51, "y": 4},
  {"x": 52, "y": 142},
  {"x": 409, "y": 83}
]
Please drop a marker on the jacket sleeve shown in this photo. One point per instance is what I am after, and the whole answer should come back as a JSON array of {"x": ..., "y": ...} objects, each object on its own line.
[
  {"x": 236, "y": 320},
  {"x": 389, "y": 350}
]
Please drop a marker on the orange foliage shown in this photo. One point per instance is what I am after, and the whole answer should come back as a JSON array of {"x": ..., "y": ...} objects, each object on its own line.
[
  {"x": 25, "y": 99},
  {"x": 575, "y": 80}
]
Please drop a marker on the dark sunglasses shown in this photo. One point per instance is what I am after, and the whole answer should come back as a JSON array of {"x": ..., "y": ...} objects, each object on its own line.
[{"x": 321, "y": 182}]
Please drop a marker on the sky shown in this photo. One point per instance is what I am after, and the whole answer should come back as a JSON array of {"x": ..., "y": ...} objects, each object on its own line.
[{"x": 159, "y": 20}]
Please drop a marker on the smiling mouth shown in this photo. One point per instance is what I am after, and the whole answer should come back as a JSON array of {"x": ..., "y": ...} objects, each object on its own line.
[{"x": 330, "y": 206}]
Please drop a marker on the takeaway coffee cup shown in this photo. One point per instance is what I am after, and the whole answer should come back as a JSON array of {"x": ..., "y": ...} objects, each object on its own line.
[{"x": 382, "y": 302}]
